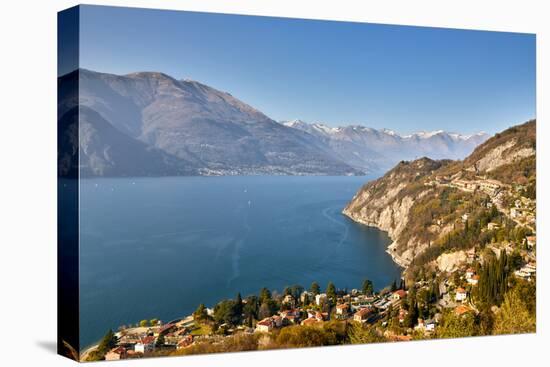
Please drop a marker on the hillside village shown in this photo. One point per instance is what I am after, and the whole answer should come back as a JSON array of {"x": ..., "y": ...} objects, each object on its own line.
[
  {"x": 475, "y": 276},
  {"x": 443, "y": 304}
]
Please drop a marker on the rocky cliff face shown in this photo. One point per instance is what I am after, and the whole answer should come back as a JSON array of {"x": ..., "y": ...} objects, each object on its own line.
[
  {"x": 508, "y": 147},
  {"x": 386, "y": 203},
  {"x": 421, "y": 201}
]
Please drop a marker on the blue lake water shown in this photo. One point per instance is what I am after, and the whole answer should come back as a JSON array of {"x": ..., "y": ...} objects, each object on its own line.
[{"x": 157, "y": 247}]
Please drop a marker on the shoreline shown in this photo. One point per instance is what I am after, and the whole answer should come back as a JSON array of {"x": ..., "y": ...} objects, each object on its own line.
[
  {"x": 84, "y": 353},
  {"x": 402, "y": 263}
]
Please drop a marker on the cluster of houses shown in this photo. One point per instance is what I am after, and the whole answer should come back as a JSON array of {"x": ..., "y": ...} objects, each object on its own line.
[
  {"x": 139, "y": 341},
  {"x": 353, "y": 306},
  {"x": 523, "y": 211},
  {"x": 488, "y": 186},
  {"x": 456, "y": 296},
  {"x": 527, "y": 272}
]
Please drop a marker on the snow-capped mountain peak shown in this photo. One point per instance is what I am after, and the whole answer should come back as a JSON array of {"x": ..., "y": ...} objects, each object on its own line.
[{"x": 367, "y": 147}]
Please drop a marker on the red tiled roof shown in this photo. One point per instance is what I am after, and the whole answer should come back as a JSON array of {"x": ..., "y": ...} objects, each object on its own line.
[
  {"x": 401, "y": 293},
  {"x": 265, "y": 322},
  {"x": 147, "y": 340},
  {"x": 165, "y": 327},
  {"x": 363, "y": 312},
  {"x": 118, "y": 350},
  {"x": 461, "y": 310}
]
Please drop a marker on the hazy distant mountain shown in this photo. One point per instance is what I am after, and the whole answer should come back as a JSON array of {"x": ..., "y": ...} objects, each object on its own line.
[
  {"x": 150, "y": 124},
  {"x": 105, "y": 151},
  {"x": 377, "y": 150},
  {"x": 203, "y": 127}
]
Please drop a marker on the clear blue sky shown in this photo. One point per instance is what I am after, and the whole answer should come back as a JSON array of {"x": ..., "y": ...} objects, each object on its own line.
[{"x": 383, "y": 76}]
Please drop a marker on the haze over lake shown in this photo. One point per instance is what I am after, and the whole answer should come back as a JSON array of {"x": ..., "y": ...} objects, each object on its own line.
[{"x": 157, "y": 247}]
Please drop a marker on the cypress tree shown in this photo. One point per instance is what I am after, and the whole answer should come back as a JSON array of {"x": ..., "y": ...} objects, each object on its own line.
[
  {"x": 315, "y": 289},
  {"x": 331, "y": 291}
]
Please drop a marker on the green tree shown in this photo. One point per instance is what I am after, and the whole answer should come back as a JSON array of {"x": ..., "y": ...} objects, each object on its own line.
[
  {"x": 268, "y": 308},
  {"x": 527, "y": 292},
  {"x": 296, "y": 290},
  {"x": 108, "y": 342},
  {"x": 331, "y": 292},
  {"x": 265, "y": 311},
  {"x": 239, "y": 306},
  {"x": 250, "y": 309},
  {"x": 153, "y": 322},
  {"x": 306, "y": 336},
  {"x": 390, "y": 313},
  {"x": 265, "y": 295},
  {"x": 315, "y": 289},
  {"x": 514, "y": 316},
  {"x": 200, "y": 313},
  {"x": 226, "y": 312},
  {"x": 457, "y": 326},
  {"x": 493, "y": 281},
  {"x": 358, "y": 334},
  {"x": 412, "y": 316},
  {"x": 143, "y": 323},
  {"x": 160, "y": 341},
  {"x": 306, "y": 300},
  {"x": 515, "y": 260},
  {"x": 368, "y": 287},
  {"x": 486, "y": 322}
]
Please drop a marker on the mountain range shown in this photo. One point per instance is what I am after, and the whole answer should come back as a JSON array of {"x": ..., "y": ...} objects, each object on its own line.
[
  {"x": 150, "y": 124},
  {"x": 423, "y": 203},
  {"x": 376, "y": 150}
]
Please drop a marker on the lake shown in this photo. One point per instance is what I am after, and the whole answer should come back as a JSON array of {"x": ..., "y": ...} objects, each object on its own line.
[{"x": 157, "y": 247}]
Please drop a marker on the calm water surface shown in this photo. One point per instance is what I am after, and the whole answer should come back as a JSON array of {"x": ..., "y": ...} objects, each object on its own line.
[{"x": 157, "y": 247}]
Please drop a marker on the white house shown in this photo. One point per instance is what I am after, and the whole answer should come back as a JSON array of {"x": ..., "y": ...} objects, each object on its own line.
[
  {"x": 473, "y": 280},
  {"x": 342, "y": 309},
  {"x": 362, "y": 314},
  {"x": 460, "y": 295},
  {"x": 320, "y": 299},
  {"x": 398, "y": 295},
  {"x": 289, "y": 300},
  {"x": 430, "y": 325},
  {"x": 145, "y": 345},
  {"x": 266, "y": 325}
]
